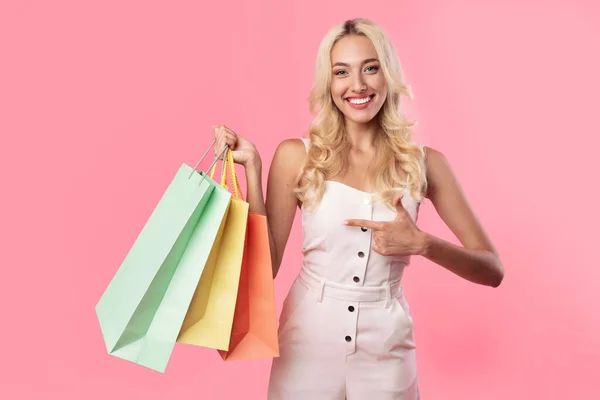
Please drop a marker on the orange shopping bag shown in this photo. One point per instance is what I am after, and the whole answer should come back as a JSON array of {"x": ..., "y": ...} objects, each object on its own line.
[{"x": 254, "y": 331}]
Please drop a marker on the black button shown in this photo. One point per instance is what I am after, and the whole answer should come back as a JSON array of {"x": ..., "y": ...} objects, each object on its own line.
[
  {"x": 363, "y": 229},
  {"x": 348, "y": 338},
  {"x": 356, "y": 279},
  {"x": 361, "y": 254},
  {"x": 350, "y": 308}
]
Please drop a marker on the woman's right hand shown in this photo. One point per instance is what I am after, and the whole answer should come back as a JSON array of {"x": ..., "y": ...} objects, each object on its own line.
[{"x": 244, "y": 151}]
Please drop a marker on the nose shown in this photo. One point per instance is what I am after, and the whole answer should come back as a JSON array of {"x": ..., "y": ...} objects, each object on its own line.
[{"x": 358, "y": 85}]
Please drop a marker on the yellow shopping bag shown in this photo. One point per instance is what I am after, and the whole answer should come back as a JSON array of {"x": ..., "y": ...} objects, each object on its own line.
[{"x": 209, "y": 318}]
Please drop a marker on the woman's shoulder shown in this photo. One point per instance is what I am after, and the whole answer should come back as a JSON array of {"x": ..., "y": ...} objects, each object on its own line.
[
  {"x": 290, "y": 153},
  {"x": 293, "y": 146},
  {"x": 439, "y": 170},
  {"x": 432, "y": 156}
]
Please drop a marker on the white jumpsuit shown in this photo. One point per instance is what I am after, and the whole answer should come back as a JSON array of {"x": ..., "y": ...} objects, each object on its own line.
[{"x": 345, "y": 331}]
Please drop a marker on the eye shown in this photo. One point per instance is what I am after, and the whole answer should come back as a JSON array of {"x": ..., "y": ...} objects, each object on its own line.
[
  {"x": 372, "y": 68},
  {"x": 339, "y": 72}
]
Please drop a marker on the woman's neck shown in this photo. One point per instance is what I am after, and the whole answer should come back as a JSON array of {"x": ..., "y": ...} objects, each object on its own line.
[{"x": 362, "y": 136}]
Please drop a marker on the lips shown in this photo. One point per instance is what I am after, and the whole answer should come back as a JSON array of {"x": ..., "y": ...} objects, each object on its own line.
[
  {"x": 357, "y": 101},
  {"x": 360, "y": 102}
]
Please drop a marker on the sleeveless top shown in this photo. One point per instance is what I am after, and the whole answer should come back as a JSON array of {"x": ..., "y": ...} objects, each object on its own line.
[{"x": 343, "y": 254}]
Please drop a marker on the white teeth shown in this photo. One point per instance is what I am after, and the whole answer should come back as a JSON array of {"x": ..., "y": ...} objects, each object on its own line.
[{"x": 360, "y": 101}]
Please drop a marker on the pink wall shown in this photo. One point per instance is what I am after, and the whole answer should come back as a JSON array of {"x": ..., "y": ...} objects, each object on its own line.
[{"x": 100, "y": 103}]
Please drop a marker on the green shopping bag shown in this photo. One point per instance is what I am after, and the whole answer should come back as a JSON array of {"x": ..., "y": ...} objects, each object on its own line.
[{"x": 142, "y": 309}]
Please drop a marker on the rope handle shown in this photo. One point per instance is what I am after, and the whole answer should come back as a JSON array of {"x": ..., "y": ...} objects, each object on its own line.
[{"x": 229, "y": 179}]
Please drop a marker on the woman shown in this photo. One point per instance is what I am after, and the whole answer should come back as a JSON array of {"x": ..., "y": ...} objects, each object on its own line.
[{"x": 345, "y": 330}]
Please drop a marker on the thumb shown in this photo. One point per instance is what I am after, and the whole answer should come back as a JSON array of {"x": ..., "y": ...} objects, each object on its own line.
[{"x": 398, "y": 202}]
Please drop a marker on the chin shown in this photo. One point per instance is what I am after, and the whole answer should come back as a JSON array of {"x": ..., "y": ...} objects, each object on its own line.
[{"x": 363, "y": 120}]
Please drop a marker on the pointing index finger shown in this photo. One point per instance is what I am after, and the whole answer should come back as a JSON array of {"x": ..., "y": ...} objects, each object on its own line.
[{"x": 362, "y": 223}]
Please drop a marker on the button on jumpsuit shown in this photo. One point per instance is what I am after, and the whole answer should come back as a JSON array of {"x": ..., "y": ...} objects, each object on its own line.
[{"x": 345, "y": 331}]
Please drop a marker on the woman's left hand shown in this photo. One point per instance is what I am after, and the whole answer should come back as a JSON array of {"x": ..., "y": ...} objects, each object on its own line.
[
  {"x": 399, "y": 237},
  {"x": 244, "y": 152}
]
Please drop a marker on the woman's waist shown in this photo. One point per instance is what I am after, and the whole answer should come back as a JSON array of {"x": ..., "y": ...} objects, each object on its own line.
[{"x": 351, "y": 286}]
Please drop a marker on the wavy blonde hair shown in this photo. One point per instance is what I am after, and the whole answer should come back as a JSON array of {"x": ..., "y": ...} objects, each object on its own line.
[{"x": 328, "y": 151}]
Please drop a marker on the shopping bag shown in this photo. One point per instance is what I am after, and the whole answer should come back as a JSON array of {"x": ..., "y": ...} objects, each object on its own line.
[
  {"x": 209, "y": 318},
  {"x": 142, "y": 309},
  {"x": 254, "y": 331}
]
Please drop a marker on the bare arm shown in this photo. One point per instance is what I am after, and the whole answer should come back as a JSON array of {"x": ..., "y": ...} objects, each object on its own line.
[
  {"x": 478, "y": 260},
  {"x": 281, "y": 203}
]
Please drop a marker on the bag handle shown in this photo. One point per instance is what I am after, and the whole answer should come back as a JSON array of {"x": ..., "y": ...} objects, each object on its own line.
[
  {"x": 228, "y": 177},
  {"x": 211, "y": 165},
  {"x": 227, "y": 160},
  {"x": 234, "y": 180},
  {"x": 224, "y": 180}
]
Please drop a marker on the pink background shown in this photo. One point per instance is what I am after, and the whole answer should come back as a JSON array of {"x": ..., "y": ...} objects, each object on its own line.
[{"x": 100, "y": 102}]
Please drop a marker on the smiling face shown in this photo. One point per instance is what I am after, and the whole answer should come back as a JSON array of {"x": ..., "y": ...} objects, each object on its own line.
[{"x": 358, "y": 86}]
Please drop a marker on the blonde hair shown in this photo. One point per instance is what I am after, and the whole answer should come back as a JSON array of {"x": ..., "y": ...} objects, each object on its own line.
[{"x": 328, "y": 153}]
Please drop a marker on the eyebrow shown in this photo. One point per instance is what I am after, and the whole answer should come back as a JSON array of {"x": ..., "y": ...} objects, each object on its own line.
[{"x": 368, "y": 60}]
